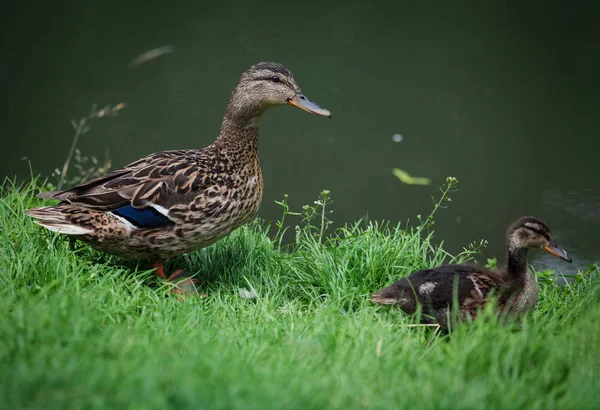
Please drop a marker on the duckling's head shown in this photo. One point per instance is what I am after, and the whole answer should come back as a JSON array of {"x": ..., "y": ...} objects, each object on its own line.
[
  {"x": 531, "y": 232},
  {"x": 266, "y": 85}
]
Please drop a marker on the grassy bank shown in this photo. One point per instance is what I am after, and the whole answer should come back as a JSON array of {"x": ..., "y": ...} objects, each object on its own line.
[{"x": 280, "y": 328}]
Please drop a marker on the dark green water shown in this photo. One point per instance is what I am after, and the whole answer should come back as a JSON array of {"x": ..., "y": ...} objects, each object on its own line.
[{"x": 501, "y": 96}]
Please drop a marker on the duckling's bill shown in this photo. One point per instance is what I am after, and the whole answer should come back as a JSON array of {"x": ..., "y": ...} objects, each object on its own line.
[
  {"x": 300, "y": 101},
  {"x": 553, "y": 249}
]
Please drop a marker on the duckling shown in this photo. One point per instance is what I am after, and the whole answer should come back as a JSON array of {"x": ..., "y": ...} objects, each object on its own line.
[
  {"x": 514, "y": 284},
  {"x": 174, "y": 202}
]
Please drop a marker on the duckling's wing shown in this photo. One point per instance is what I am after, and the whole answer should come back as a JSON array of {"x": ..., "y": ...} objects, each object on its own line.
[
  {"x": 478, "y": 286},
  {"x": 429, "y": 287},
  {"x": 159, "y": 180},
  {"x": 469, "y": 284},
  {"x": 436, "y": 288}
]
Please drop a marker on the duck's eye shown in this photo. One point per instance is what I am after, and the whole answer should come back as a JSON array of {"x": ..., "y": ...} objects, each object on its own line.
[{"x": 275, "y": 79}]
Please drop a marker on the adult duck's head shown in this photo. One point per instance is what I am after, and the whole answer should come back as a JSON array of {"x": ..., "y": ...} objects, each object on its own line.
[{"x": 266, "y": 85}]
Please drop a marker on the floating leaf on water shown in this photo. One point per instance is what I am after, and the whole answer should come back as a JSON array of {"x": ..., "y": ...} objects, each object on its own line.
[
  {"x": 151, "y": 55},
  {"x": 404, "y": 177}
]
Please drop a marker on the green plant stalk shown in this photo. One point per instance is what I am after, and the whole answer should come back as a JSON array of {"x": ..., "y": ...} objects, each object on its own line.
[{"x": 80, "y": 129}]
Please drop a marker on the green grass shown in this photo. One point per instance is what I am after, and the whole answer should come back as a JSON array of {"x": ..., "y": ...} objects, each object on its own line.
[{"x": 82, "y": 330}]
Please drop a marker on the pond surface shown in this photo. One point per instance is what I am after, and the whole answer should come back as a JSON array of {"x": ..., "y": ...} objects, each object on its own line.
[{"x": 503, "y": 97}]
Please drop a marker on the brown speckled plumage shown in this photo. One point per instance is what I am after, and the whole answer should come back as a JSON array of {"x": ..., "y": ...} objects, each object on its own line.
[
  {"x": 174, "y": 202},
  {"x": 514, "y": 285}
]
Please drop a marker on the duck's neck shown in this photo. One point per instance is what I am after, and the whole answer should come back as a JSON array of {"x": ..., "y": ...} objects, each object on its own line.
[
  {"x": 239, "y": 136},
  {"x": 239, "y": 130},
  {"x": 523, "y": 291},
  {"x": 516, "y": 261}
]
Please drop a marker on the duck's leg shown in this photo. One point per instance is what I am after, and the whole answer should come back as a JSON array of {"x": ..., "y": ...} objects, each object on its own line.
[
  {"x": 183, "y": 283},
  {"x": 159, "y": 269}
]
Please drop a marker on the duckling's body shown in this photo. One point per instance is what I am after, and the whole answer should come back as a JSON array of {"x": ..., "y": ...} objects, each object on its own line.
[
  {"x": 174, "y": 202},
  {"x": 473, "y": 285}
]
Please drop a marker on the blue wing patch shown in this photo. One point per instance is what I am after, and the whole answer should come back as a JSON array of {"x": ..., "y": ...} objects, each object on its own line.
[{"x": 144, "y": 217}]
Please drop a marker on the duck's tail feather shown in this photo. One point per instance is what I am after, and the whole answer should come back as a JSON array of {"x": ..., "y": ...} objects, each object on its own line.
[
  {"x": 382, "y": 298},
  {"x": 50, "y": 217},
  {"x": 395, "y": 294}
]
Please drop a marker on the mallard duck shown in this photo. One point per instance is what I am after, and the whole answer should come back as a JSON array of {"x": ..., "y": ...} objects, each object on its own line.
[
  {"x": 173, "y": 202},
  {"x": 514, "y": 284}
]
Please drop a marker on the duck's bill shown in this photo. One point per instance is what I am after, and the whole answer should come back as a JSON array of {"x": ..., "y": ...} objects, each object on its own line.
[
  {"x": 553, "y": 249},
  {"x": 300, "y": 101}
]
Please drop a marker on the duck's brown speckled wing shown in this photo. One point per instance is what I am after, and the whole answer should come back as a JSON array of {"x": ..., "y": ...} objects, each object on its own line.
[
  {"x": 162, "y": 179},
  {"x": 476, "y": 293}
]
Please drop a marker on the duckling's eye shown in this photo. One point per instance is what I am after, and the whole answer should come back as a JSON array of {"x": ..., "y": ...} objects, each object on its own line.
[{"x": 275, "y": 79}]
